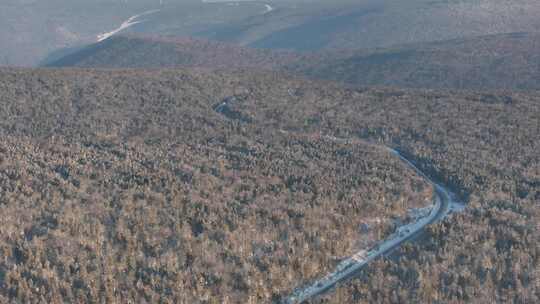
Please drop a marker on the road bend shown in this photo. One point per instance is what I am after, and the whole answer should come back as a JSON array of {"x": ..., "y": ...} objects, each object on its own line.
[{"x": 444, "y": 202}]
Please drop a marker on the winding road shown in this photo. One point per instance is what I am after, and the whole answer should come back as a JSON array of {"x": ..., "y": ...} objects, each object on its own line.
[{"x": 445, "y": 202}]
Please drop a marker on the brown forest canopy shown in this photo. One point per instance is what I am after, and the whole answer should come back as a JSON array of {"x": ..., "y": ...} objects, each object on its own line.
[{"x": 128, "y": 185}]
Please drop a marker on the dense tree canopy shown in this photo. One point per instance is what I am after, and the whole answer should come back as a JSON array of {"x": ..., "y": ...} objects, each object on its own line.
[{"x": 128, "y": 185}]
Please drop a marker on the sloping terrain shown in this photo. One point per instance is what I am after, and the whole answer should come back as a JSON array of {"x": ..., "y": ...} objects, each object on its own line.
[
  {"x": 485, "y": 145},
  {"x": 505, "y": 61},
  {"x": 144, "y": 51},
  {"x": 30, "y": 30},
  {"x": 128, "y": 185},
  {"x": 488, "y": 62},
  {"x": 351, "y": 24}
]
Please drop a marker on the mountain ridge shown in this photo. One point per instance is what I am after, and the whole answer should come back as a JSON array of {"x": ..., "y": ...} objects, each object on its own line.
[{"x": 490, "y": 62}]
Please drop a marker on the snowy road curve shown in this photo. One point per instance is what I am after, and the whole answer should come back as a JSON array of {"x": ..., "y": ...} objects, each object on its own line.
[{"x": 444, "y": 203}]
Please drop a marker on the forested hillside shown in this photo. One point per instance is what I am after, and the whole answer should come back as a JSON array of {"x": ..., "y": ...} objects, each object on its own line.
[
  {"x": 504, "y": 61},
  {"x": 128, "y": 185},
  {"x": 495, "y": 62},
  {"x": 484, "y": 145},
  {"x": 146, "y": 51}
]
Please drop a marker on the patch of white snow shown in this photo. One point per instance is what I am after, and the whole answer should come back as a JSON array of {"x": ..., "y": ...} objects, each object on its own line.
[
  {"x": 269, "y": 8},
  {"x": 126, "y": 24}
]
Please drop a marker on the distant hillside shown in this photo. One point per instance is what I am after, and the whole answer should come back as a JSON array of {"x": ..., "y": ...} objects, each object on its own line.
[
  {"x": 141, "y": 51},
  {"x": 316, "y": 25},
  {"x": 487, "y": 62},
  {"x": 29, "y": 30}
]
